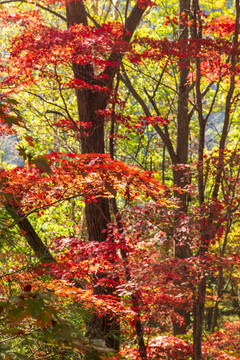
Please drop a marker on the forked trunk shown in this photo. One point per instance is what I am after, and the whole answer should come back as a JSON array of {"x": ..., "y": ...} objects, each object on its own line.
[{"x": 92, "y": 141}]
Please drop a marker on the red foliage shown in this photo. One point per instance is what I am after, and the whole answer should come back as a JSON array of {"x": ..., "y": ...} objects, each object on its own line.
[
  {"x": 70, "y": 175},
  {"x": 224, "y": 344},
  {"x": 169, "y": 347},
  {"x": 40, "y": 46},
  {"x": 148, "y": 270}
]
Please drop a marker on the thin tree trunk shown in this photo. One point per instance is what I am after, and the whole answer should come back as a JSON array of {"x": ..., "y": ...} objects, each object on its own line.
[
  {"x": 182, "y": 111},
  {"x": 221, "y": 155},
  {"x": 215, "y": 308},
  {"x": 134, "y": 297},
  {"x": 179, "y": 171},
  {"x": 198, "y": 315},
  {"x": 199, "y": 298},
  {"x": 220, "y": 289}
]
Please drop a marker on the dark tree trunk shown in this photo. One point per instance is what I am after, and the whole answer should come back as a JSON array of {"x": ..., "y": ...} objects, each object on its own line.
[
  {"x": 199, "y": 303},
  {"x": 198, "y": 315},
  {"x": 34, "y": 241},
  {"x": 92, "y": 141},
  {"x": 179, "y": 172}
]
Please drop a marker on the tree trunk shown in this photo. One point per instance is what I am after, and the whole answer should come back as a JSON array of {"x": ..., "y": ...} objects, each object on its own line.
[
  {"x": 34, "y": 241},
  {"x": 198, "y": 315},
  {"x": 92, "y": 141},
  {"x": 182, "y": 113},
  {"x": 134, "y": 296},
  {"x": 199, "y": 304},
  {"x": 179, "y": 170}
]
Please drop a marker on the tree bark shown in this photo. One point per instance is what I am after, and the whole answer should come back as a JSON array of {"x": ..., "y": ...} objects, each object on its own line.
[
  {"x": 179, "y": 170},
  {"x": 199, "y": 303},
  {"x": 92, "y": 140},
  {"x": 198, "y": 315},
  {"x": 182, "y": 110},
  {"x": 89, "y": 102},
  {"x": 34, "y": 241}
]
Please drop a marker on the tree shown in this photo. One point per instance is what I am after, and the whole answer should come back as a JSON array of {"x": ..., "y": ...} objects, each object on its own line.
[
  {"x": 193, "y": 76},
  {"x": 203, "y": 183},
  {"x": 89, "y": 102}
]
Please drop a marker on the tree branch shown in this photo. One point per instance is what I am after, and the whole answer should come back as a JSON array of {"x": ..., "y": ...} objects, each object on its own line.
[
  {"x": 164, "y": 136},
  {"x": 38, "y": 5}
]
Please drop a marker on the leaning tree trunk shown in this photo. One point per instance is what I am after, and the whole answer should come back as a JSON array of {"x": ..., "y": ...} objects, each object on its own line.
[{"x": 33, "y": 240}]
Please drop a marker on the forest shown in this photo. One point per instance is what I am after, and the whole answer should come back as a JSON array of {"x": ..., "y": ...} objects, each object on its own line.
[{"x": 120, "y": 179}]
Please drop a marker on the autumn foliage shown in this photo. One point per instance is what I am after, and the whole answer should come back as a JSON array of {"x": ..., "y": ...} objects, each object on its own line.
[{"x": 169, "y": 252}]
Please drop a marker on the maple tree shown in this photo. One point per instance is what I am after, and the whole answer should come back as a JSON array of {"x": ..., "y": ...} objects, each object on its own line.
[{"x": 127, "y": 272}]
